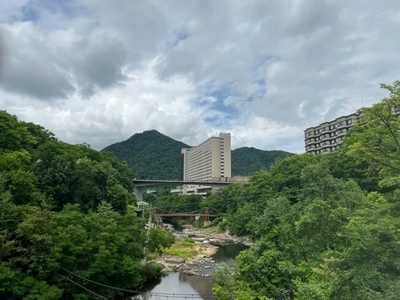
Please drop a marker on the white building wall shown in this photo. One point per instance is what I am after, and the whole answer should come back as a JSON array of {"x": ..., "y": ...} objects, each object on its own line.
[{"x": 212, "y": 158}]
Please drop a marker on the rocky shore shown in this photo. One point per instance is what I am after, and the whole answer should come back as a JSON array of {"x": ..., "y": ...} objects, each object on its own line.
[{"x": 207, "y": 245}]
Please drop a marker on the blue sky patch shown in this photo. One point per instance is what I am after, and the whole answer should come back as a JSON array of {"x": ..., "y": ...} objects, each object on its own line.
[
  {"x": 221, "y": 111},
  {"x": 31, "y": 11}
]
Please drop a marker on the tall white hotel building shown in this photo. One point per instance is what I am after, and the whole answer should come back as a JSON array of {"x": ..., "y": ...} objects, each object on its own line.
[{"x": 209, "y": 160}]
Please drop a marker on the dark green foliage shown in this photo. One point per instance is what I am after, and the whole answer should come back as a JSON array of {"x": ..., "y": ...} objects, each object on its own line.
[
  {"x": 159, "y": 239},
  {"x": 326, "y": 226},
  {"x": 63, "y": 213},
  {"x": 345, "y": 166},
  {"x": 151, "y": 155},
  {"x": 175, "y": 203},
  {"x": 13, "y": 136},
  {"x": 246, "y": 161}
]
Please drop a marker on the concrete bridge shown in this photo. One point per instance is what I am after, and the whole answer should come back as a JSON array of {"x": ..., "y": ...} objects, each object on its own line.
[{"x": 141, "y": 184}]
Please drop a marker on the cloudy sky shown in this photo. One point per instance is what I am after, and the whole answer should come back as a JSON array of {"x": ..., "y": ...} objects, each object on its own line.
[{"x": 99, "y": 71}]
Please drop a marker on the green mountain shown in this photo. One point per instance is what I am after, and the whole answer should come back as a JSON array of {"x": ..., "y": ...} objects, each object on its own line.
[
  {"x": 247, "y": 160},
  {"x": 152, "y": 155}
]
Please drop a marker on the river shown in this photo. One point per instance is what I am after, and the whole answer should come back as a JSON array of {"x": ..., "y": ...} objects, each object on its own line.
[{"x": 180, "y": 285}]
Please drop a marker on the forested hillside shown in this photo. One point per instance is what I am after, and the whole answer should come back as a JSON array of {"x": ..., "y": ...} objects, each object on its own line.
[
  {"x": 325, "y": 226},
  {"x": 65, "y": 219},
  {"x": 248, "y": 160},
  {"x": 152, "y": 155}
]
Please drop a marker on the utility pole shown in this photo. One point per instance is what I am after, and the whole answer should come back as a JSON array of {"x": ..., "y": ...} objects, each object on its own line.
[
  {"x": 206, "y": 218},
  {"x": 147, "y": 235}
]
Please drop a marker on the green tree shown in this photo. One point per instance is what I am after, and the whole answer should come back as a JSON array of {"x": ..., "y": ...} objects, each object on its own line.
[
  {"x": 376, "y": 139},
  {"x": 370, "y": 263},
  {"x": 159, "y": 239},
  {"x": 18, "y": 179},
  {"x": 13, "y": 136},
  {"x": 63, "y": 214}
]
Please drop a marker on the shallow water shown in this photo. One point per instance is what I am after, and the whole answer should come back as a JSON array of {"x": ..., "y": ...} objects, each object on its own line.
[{"x": 180, "y": 285}]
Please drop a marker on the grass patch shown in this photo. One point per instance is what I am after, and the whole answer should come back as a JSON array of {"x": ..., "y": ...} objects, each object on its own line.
[
  {"x": 214, "y": 229},
  {"x": 183, "y": 248}
]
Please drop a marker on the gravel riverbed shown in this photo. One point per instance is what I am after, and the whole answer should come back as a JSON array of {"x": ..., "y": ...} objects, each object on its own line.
[{"x": 207, "y": 245}]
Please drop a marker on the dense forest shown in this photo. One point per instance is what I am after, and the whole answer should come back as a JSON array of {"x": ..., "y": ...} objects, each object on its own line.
[
  {"x": 325, "y": 226},
  {"x": 66, "y": 219},
  {"x": 248, "y": 160},
  {"x": 153, "y": 155},
  {"x": 150, "y": 155}
]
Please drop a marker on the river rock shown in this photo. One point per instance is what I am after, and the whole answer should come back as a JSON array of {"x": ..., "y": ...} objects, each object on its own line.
[
  {"x": 218, "y": 242},
  {"x": 199, "y": 239},
  {"x": 174, "y": 260}
]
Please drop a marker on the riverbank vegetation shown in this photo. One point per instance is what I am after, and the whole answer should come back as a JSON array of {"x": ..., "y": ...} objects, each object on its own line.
[
  {"x": 326, "y": 226},
  {"x": 65, "y": 225},
  {"x": 183, "y": 248}
]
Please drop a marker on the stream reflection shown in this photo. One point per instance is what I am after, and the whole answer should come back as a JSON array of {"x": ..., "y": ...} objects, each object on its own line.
[{"x": 180, "y": 285}]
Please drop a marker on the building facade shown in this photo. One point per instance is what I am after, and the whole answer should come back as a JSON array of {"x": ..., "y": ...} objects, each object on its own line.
[
  {"x": 192, "y": 189},
  {"x": 327, "y": 136},
  {"x": 212, "y": 158}
]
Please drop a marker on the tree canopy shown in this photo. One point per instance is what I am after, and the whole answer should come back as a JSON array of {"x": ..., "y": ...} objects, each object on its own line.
[
  {"x": 325, "y": 226},
  {"x": 64, "y": 219}
]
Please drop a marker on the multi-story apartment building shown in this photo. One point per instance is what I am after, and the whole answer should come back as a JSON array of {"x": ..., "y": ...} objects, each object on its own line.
[
  {"x": 327, "y": 136},
  {"x": 210, "y": 159}
]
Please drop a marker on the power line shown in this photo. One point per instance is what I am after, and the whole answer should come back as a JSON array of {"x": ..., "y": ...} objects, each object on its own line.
[
  {"x": 98, "y": 283},
  {"x": 82, "y": 287},
  {"x": 175, "y": 295}
]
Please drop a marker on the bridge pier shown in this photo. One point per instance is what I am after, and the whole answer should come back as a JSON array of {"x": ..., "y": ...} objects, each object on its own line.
[{"x": 139, "y": 190}]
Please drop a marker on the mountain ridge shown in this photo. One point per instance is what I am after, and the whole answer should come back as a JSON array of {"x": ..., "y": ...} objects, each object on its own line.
[{"x": 153, "y": 155}]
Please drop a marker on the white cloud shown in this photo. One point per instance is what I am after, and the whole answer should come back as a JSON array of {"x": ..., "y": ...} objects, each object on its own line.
[{"x": 101, "y": 71}]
